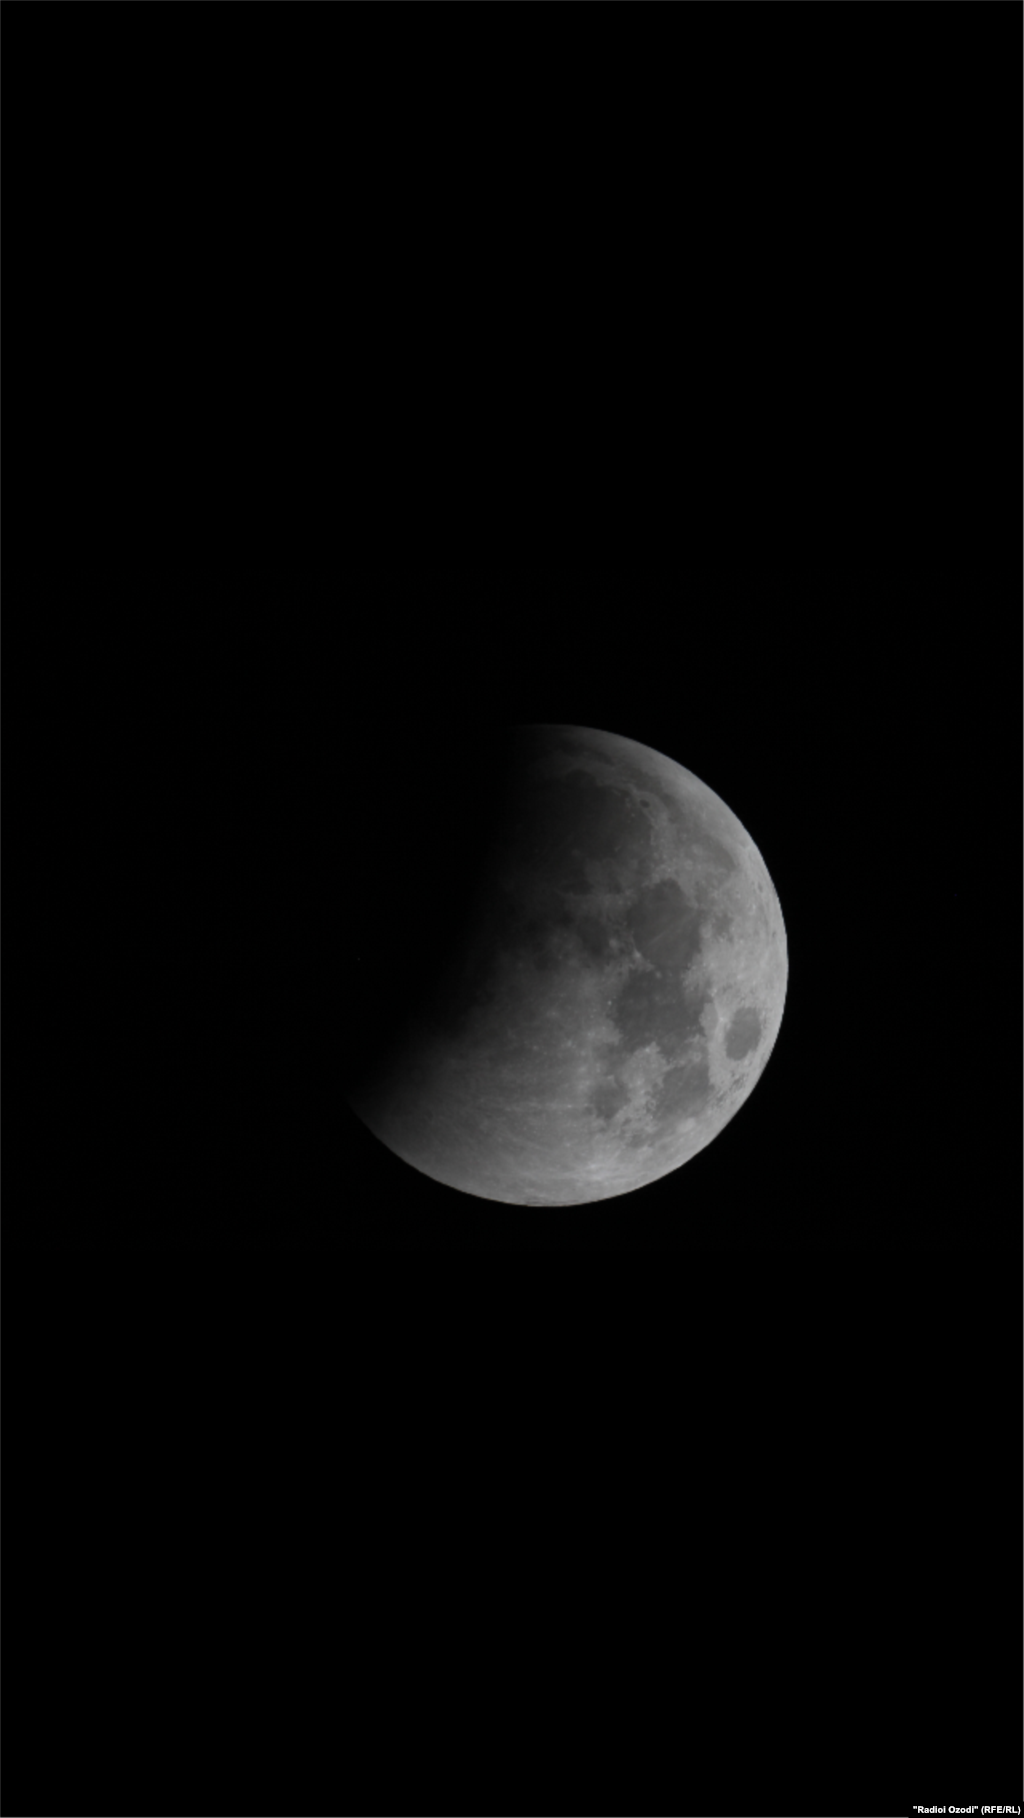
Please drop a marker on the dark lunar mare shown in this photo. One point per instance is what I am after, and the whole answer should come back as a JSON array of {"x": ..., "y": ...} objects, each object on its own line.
[
  {"x": 683, "y": 1092},
  {"x": 656, "y": 1006},
  {"x": 743, "y": 1034},
  {"x": 608, "y": 1097},
  {"x": 655, "y": 1003}
]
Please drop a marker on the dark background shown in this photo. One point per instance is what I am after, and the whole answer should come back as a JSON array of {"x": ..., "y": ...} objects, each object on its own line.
[{"x": 271, "y": 838}]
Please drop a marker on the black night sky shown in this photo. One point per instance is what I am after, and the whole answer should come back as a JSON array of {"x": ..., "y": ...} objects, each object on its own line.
[{"x": 313, "y": 756}]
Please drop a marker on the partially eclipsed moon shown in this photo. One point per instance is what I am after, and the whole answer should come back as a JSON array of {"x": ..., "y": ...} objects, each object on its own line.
[{"x": 616, "y": 993}]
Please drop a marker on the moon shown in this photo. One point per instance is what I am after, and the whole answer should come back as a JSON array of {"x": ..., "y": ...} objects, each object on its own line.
[{"x": 612, "y": 994}]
